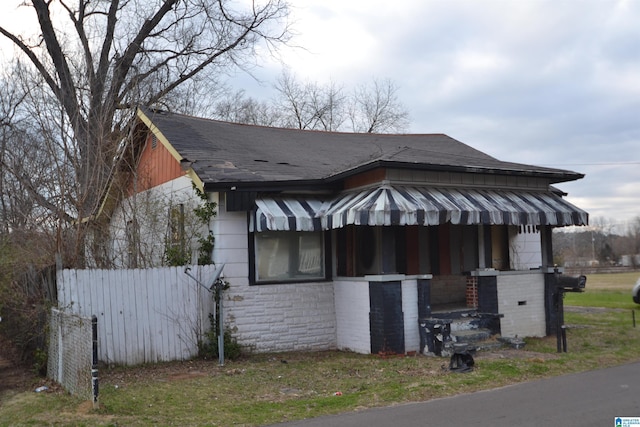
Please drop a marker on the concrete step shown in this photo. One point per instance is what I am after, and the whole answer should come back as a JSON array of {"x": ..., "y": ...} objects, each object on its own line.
[
  {"x": 470, "y": 335},
  {"x": 463, "y": 324},
  {"x": 488, "y": 345},
  {"x": 473, "y": 347}
]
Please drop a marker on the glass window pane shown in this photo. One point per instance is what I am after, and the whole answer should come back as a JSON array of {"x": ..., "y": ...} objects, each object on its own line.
[
  {"x": 272, "y": 252},
  {"x": 289, "y": 255},
  {"x": 310, "y": 254}
]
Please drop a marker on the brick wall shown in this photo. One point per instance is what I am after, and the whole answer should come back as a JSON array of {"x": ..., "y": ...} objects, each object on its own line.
[
  {"x": 472, "y": 292},
  {"x": 410, "y": 309},
  {"x": 352, "y": 302},
  {"x": 269, "y": 317},
  {"x": 521, "y": 301},
  {"x": 282, "y": 317},
  {"x": 487, "y": 294},
  {"x": 352, "y": 315},
  {"x": 386, "y": 317}
]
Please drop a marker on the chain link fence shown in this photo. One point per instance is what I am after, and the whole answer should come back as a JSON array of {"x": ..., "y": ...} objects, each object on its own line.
[{"x": 72, "y": 354}]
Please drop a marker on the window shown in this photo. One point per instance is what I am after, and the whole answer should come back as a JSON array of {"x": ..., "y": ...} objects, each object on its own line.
[
  {"x": 175, "y": 248},
  {"x": 286, "y": 256}
]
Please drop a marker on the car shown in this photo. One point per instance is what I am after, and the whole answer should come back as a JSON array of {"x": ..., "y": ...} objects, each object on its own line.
[{"x": 636, "y": 292}]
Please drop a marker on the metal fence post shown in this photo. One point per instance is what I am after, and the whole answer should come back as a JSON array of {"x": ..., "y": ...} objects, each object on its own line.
[{"x": 94, "y": 360}]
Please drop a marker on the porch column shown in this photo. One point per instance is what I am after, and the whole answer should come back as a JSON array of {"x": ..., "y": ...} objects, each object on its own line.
[
  {"x": 551, "y": 301},
  {"x": 546, "y": 246},
  {"x": 424, "y": 296},
  {"x": 487, "y": 290},
  {"x": 386, "y": 318},
  {"x": 388, "y": 250},
  {"x": 484, "y": 246},
  {"x": 487, "y": 293}
]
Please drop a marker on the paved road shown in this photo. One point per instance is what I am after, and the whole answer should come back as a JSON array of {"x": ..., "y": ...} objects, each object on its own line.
[{"x": 587, "y": 399}]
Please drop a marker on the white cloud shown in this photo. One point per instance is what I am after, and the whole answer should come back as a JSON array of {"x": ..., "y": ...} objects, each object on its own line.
[{"x": 549, "y": 82}]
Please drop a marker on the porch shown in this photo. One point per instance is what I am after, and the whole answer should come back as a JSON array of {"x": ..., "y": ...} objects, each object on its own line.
[
  {"x": 389, "y": 313},
  {"x": 397, "y": 255}
]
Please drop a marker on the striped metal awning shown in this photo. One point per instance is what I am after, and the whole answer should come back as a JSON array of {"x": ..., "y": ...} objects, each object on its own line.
[
  {"x": 286, "y": 214},
  {"x": 396, "y": 205}
]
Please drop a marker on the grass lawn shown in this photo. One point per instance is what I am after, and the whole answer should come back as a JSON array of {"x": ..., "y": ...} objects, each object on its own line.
[
  {"x": 606, "y": 290},
  {"x": 271, "y": 388}
]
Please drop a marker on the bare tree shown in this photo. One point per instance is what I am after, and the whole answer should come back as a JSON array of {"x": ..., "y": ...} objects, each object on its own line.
[
  {"x": 96, "y": 60},
  {"x": 240, "y": 108},
  {"x": 309, "y": 105},
  {"x": 372, "y": 107},
  {"x": 21, "y": 155},
  {"x": 375, "y": 108}
]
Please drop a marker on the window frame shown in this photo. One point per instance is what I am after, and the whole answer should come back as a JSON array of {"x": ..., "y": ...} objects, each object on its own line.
[{"x": 326, "y": 253}]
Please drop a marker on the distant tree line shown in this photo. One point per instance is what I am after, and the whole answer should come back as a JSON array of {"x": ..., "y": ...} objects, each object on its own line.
[{"x": 601, "y": 244}]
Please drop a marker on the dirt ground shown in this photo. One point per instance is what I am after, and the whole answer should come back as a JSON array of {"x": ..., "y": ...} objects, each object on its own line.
[
  {"x": 13, "y": 376},
  {"x": 16, "y": 379}
]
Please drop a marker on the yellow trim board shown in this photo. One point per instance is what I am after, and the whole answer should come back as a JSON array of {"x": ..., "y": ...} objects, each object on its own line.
[{"x": 165, "y": 142}]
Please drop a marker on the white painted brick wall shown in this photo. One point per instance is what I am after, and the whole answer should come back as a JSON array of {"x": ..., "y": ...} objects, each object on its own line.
[
  {"x": 268, "y": 318},
  {"x": 287, "y": 317},
  {"x": 352, "y": 315},
  {"x": 523, "y": 320},
  {"x": 308, "y": 316},
  {"x": 410, "y": 309}
]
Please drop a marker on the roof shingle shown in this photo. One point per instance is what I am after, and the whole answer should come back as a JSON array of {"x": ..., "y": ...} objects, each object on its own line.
[{"x": 236, "y": 154}]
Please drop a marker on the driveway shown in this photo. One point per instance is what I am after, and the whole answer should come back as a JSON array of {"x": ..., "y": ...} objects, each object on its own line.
[{"x": 588, "y": 399}]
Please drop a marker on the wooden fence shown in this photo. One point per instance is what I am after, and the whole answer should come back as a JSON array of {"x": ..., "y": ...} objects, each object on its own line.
[{"x": 144, "y": 316}]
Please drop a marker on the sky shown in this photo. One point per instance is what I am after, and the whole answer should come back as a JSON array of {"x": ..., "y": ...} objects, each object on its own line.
[
  {"x": 550, "y": 83},
  {"x": 545, "y": 82}
]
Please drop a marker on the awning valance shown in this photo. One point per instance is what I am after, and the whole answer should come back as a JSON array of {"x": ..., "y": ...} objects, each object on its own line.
[
  {"x": 399, "y": 205},
  {"x": 286, "y": 214},
  {"x": 388, "y": 205}
]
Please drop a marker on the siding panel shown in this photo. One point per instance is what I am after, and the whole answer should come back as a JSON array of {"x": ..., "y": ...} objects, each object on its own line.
[{"x": 144, "y": 316}]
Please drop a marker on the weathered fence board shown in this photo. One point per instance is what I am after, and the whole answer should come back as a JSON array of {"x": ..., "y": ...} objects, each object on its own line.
[{"x": 144, "y": 316}]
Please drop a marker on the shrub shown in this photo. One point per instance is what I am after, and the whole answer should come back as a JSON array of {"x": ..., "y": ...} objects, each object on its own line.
[
  {"x": 208, "y": 346},
  {"x": 25, "y": 307}
]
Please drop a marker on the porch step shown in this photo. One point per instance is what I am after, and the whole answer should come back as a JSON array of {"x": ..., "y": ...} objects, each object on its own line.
[
  {"x": 475, "y": 340},
  {"x": 488, "y": 345},
  {"x": 470, "y": 335},
  {"x": 445, "y": 333}
]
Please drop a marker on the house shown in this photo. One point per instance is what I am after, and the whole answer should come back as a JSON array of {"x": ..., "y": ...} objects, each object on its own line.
[{"x": 354, "y": 241}]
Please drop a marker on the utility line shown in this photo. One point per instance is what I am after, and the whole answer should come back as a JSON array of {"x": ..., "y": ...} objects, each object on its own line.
[{"x": 594, "y": 164}]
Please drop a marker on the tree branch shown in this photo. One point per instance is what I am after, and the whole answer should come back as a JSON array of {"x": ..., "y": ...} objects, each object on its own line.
[{"x": 66, "y": 94}]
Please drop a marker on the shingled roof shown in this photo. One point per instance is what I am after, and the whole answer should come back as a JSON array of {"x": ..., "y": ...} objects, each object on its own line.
[{"x": 228, "y": 154}]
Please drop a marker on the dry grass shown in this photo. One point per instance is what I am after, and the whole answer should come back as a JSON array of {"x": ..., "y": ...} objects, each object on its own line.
[
  {"x": 622, "y": 282},
  {"x": 265, "y": 389},
  {"x": 606, "y": 290}
]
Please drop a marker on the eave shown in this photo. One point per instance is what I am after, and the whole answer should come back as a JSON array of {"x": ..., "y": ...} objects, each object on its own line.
[{"x": 334, "y": 182}]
